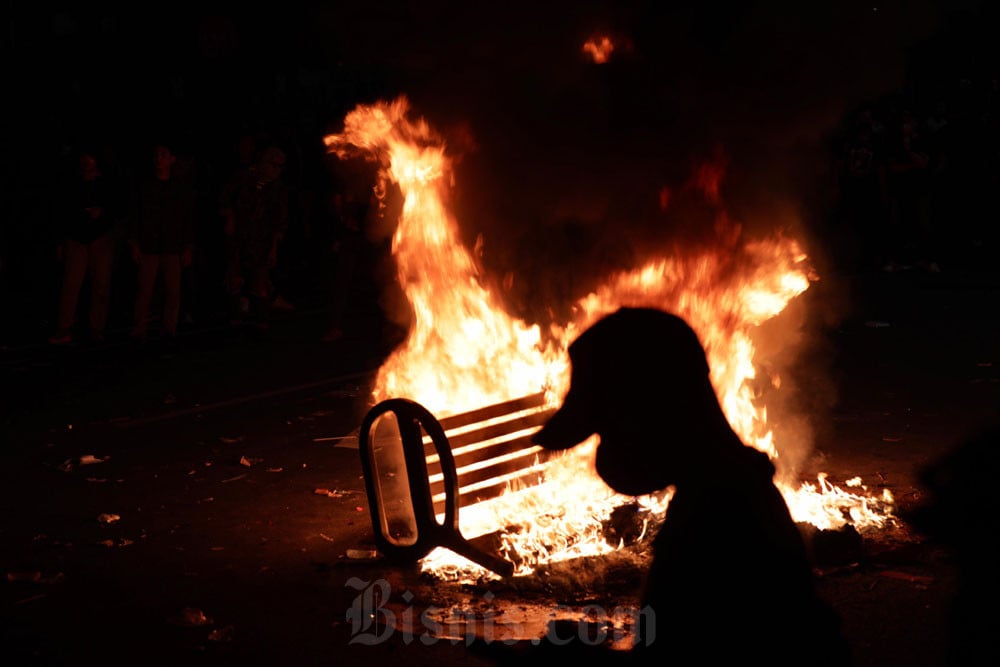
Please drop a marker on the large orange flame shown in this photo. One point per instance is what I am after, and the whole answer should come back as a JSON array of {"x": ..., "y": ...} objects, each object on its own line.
[{"x": 465, "y": 351}]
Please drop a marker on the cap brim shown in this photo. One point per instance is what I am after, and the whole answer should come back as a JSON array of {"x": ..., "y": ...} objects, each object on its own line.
[{"x": 568, "y": 426}]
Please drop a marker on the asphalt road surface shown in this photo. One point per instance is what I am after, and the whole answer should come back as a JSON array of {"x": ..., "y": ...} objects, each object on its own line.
[{"x": 202, "y": 503}]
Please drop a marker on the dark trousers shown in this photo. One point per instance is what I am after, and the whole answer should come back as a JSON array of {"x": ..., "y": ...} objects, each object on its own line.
[
  {"x": 80, "y": 261},
  {"x": 169, "y": 267}
]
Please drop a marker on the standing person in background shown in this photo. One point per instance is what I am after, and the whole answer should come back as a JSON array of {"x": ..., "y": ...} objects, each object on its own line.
[
  {"x": 254, "y": 207},
  {"x": 6, "y": 290},
  {"x": 161, "y": 239},
  {"x": 88, "y": 211},
  {"x": 863, "y": 205},
  {"x": 193, "y": 301},
  {"x": 911, "y": 240},
  {"x": 348, "y": 209}
]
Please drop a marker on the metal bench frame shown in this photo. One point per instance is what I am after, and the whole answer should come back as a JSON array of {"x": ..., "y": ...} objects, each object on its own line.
[{"x": 427, "y": 468}]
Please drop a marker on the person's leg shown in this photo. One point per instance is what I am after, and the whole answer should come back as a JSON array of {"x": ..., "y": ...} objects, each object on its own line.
[
  {"x": 347, "y": 262},
  {"x": 191, "y": 302},
  {"x": 101, "y": 262},
  {"x": 171, "y": 265},
  {"x": 892, "y": 238},
  {"x": 259, "y": 294},
  {"x": 928, "y": 248},
  {"x": 234, "y": 283},
  {"x": 145, "y": 283},
  {"x": 74, "y": 271}
]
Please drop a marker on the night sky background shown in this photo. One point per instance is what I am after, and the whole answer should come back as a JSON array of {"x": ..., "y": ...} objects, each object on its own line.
[{"x": 558, "y": 153}]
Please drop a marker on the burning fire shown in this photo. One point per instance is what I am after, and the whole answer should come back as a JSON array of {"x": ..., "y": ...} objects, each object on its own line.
[{"x": 464, "y": 351}]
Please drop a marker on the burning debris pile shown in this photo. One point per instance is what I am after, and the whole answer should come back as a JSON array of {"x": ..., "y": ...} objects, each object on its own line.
[{"x": 465, "y": 351}]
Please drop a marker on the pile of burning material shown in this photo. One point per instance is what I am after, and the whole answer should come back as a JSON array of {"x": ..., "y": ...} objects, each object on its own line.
[{"x": 465, "y": 351}]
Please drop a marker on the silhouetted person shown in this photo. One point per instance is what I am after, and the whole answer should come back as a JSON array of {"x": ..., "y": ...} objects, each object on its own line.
[
  {"x": 7, "y": 292},
  {"x": 862, "y": 196},
  {"x": 87, "y": 211},
  {"x": 730, "y": 582},
  {"x": 255, "y": 210},
  {"x": 348, "y": 209},
  {"x": 908, "y": 160},
  {"x": 962, "y": 513},
  {"x": 161, "y": 239}
]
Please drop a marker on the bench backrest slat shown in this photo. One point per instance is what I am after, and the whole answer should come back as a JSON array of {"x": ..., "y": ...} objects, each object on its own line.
[
  {"x": 490, "y": 411},
  {"x": 492, "y": 450}
]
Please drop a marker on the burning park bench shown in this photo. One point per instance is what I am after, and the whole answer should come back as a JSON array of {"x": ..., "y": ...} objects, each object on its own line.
[
  {"x": 419, "y": 468},
  {"x": 421, "y": 471}
]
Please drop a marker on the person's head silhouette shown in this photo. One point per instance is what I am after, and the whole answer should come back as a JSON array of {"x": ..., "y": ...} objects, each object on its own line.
[{"x": 640, "y": 379}]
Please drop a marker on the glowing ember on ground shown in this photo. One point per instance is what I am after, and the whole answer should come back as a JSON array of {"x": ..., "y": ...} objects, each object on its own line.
[{"x": 464, "y": 351}]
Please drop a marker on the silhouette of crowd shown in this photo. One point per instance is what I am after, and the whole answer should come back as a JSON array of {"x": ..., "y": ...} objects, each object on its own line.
[
  {"x": 914, "y": 173},
  {"x": 162, "y": 241},
  {"x": 195, "y": 196}
]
